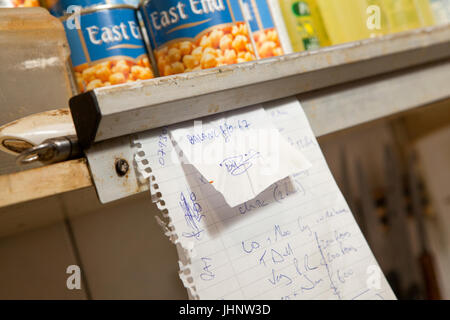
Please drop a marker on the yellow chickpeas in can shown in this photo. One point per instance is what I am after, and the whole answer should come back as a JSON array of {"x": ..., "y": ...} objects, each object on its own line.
[
  {"x": 19, "y": 3},
  {"x": 107, "y": 47},
  {"x": 189, "y": 35}
]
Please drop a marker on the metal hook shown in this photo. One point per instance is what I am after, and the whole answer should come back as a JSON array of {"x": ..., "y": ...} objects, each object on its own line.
[
  {"x": 51, "y": 151},
  {"x": 35, "y": 153}
]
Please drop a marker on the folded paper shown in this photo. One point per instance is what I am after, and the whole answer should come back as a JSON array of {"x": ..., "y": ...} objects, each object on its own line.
[{"x": 240, "y": 153}]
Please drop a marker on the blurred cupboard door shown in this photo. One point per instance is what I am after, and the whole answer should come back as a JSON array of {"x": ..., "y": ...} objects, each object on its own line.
[{"x": 434, "y": 154}]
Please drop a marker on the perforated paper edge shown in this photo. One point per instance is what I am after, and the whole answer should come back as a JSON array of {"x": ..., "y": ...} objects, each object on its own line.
[{"x": 146, "y": 174}]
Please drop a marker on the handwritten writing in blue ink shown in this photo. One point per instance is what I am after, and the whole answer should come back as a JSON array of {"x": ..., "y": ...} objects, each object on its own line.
[
  {"x": 303, "y": 226},
  {"x": 224, "y": 130},
  {"x": 192, "y": 214},
  {"x": 310, "y": 284},
  {"x": 311, "y": 272},
  {"x": 331, "y": 213},
  {"x": 281, "y": 190},
  {"x": 302, "y": 143},
  {"x": 340, "y": 237},
  {"x": 278, "y": 277},
  {"x": 251, "y": 205},
  {"x": 343, "y": 276},
  {"x": 279, "y": 233},
  {"x": 307, "y": 266},
  {"x": 278, "y": 113},
  {"x": 163, "y": 143},
  {"x": 333, "y": 287},
  {"x": 279, "y": 257},
  {"x": 238, "y": 165},
  {"x": 249, "y": 248},
  {"x": 207, "y": 274}
]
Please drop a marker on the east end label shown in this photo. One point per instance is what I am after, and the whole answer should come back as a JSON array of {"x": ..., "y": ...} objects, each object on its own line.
[
  {"x": 170, "y": 20},
  {"x": 105, "y": 34},
  {"x": 197, "y": 34},
  {"x": 107, "y": 49}
]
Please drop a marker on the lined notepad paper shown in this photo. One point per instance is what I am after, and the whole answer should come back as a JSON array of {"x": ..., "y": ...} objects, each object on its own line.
[{"x": 296, "y": 240}]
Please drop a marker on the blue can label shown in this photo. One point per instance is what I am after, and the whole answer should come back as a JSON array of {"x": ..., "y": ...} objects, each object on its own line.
[
  {"x": 262, "y": 26},
  {"x": 196, "y": 34},
  {"x": 61, "y": 7},
  {"x": 107, "y": 48}
]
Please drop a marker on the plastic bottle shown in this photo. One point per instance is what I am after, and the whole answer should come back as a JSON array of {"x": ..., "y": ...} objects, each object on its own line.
[
  {"x": 402, "y": 15},
  {"x": 318, "y": 23},
  {"x": 425, "y": 12},
  {"x": 303, "y": 24},
  {"x": 344, "y": 20}
]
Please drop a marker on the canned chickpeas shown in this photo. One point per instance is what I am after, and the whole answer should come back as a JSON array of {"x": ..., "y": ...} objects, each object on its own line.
[
  {"x": 18, "y": 3},
  {"x": 188, "y": 35},
  {"x": 106, "y": 47},
  {"x": 262, "y": 26},
  {"x": 59, "y": 8}
]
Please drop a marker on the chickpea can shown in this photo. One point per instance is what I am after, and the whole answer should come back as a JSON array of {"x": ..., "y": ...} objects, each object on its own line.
[
  {"x": 107, "y": 47},
  {"x": 189, "y": 35},
  {"x": 263, "y": 29},
  {"x": 18, "y": 3},
  {"x": 59, "y": 8}
]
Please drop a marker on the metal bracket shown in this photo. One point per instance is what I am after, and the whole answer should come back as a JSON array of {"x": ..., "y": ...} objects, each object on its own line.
[{"x": 113, "y": 169}]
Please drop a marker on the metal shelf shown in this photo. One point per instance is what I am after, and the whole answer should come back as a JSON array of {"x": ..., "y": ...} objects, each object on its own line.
[
  {"x": 110, "y": 112},
  {"x": 338, "y": 87}
]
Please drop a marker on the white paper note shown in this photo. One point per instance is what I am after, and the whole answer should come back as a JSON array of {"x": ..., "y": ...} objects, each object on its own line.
[
  {"x": 240, "y": 153},
  {"x": 296, "y": 240}
]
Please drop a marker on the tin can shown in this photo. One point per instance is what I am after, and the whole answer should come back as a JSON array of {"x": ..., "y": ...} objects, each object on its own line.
[
  {"x": 188, "y": 35},
  {"x": 18, "y": 3},
  {"x": 262, "y": 26},
  {"x": 60, "y": 8},
  {"x": 107, "y": 47}
]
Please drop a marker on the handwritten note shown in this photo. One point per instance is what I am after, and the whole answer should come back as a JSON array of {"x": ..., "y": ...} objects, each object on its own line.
[
  {"x": 295, "y": 240},
  {"x": 239, "y": 148}
]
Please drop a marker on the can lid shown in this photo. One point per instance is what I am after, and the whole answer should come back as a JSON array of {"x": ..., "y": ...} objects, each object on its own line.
[
  {"x": 143, "y": 2},
  {"x": 96, "y": 8}
]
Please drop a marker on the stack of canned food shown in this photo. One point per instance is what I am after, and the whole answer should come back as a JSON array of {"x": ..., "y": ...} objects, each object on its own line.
[
  {"x": 18, "y": 3},
  {"x": 119, "y": 41},
  {"x": 107, "y": 44}
]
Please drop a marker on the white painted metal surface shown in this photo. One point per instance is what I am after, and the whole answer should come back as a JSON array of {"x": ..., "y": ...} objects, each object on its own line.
[
  {"x": 109, "y": 185},
  {"x": 136, "y": 107}
]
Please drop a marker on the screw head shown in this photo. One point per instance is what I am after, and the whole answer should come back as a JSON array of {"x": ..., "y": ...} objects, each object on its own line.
[{"x": 122, "y": 167}]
